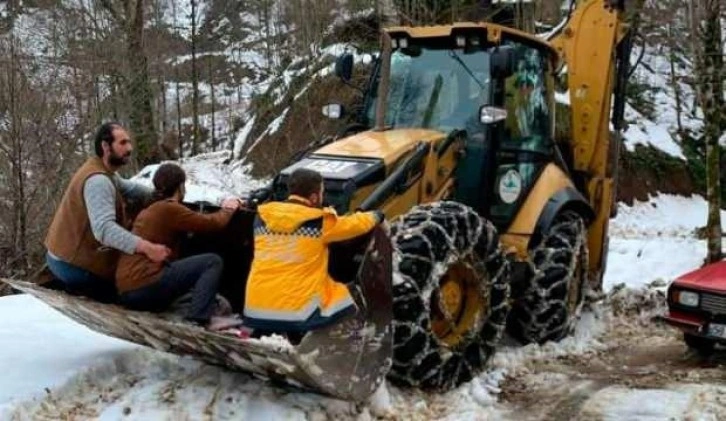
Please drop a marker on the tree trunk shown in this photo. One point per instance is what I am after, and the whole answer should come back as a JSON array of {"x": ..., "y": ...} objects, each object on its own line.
[
  {"x": 710, "y": 80},
  {"x": 674, "y": 84},
  {"x": 178, "y": 119},
  {"x": 211, "y": 90},
  {"x": 266, "y": 18},
  {"x": 525, "y": 17},
  {"x": 195, "y": 82},
  {"x": 177, "y": 101},
  {"x": 141, "y": 114},
  {"x": 163, "y": 105},
  {"x": 20, "y": 222}
]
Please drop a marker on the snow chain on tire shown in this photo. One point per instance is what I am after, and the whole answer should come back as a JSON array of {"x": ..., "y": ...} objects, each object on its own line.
[
  {"x": 558, "y": 270},
  {"x": 428, "y": 240}
]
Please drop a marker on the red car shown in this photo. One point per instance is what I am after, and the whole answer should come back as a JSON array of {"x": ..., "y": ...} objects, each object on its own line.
[{"x": 697, "y": 306}]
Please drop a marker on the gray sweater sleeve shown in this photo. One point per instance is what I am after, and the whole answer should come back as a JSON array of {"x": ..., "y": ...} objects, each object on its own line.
[
  {"x": 100, "y": 197},
  {"x": 132, "y": 190}
]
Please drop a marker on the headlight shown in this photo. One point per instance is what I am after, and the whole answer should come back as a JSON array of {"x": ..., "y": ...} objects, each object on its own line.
[{"x": 687, "y": 298}]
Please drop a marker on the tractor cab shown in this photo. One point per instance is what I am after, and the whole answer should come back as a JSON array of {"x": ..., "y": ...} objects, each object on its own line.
[
  {"x": 489, "y": 87},
  {"x": 434, "y": 86}
]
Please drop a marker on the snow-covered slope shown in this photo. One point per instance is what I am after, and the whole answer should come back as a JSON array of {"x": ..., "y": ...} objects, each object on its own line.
[
  {"x": 655, "y": 240},
  {"x": 210, "y": 178},
  {"x": 652, "y": 119}
]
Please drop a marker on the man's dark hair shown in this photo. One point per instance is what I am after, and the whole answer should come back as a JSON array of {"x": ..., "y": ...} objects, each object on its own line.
[
  {"x": 105, "y": 134},
  {"x": 167, "y": 178},
  {"x": 304, "y": 182}
]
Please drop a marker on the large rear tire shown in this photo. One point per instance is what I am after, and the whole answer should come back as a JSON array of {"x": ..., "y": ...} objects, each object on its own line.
[
  {"x": 451, "y": 295},
  {"x": 554, "y": 288}
]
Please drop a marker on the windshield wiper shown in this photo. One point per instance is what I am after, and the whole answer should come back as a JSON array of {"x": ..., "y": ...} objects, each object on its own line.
[{"x": 456, "y": 57}]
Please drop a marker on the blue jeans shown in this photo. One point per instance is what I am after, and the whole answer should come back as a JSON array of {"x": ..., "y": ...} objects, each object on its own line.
[
  {"x": 315, "y": 321},
  {"x": 199, "y": 274},
  {"x": 78, "y": 281}
]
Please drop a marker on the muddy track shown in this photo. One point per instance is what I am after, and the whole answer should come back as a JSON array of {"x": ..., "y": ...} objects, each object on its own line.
[{"x": 646, "y": 355}]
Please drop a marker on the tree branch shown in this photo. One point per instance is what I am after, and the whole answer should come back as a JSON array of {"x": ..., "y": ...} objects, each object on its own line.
[{"x": 111, "y": 8}]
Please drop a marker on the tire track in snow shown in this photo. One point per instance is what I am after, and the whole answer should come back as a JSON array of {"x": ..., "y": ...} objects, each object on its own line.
[{"x": 643, "y": 371}]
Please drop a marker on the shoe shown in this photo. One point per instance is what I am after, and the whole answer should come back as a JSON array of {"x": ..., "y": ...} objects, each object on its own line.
[
  {"x": 223, "y": 307},
  {"x": 223, "y": 322}
]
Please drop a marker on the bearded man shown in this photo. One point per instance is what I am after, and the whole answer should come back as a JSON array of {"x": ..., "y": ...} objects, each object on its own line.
[{"x": 90, "y": 226}]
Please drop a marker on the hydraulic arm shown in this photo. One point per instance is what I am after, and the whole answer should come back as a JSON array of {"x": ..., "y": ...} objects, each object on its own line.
[{"x": 595, "y": 46}]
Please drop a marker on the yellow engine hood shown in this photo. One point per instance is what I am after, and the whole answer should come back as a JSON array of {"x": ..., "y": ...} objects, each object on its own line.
[{"x": 387, "y": 145}]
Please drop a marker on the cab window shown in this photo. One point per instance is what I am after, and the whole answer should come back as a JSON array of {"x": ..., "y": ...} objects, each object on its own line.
[
  {"x": 528, "y": 124},
  {"x": 527, "y": 142}
]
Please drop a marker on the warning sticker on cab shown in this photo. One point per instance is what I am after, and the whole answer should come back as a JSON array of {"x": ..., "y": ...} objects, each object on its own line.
[{"x": 329, "y": 166}]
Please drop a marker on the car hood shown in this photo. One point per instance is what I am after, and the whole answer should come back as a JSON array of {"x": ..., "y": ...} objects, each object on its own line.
[{"x": 711, "y": 278}]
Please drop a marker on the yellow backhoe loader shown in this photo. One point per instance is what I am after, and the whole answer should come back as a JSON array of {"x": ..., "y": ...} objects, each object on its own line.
[{"x": 498, "y": 218}]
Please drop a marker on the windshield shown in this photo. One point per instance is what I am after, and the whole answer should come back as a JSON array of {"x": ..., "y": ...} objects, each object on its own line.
[{"x": 435, "y": 88}]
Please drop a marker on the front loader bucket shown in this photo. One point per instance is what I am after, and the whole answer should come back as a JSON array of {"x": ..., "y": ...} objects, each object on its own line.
[{"x": 347, "y": 361}]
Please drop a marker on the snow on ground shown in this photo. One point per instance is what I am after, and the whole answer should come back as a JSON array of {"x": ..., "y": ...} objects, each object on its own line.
[
  {"x": 655, "y": 240},
  {"x": 42, "y": 349},
  {"x": 620, "y": 403},
  {"x": 89, "y": 376},
  {"x": 241, "y": 138}
]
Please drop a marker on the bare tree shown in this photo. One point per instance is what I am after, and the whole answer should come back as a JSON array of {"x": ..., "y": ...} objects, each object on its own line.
[
  {"x": 36, "y": 150},
  {"x": 196, "y": 132},
  {"x": 211, "y": 93},
  {"x": 129, "y": 16},
  {"x": 708, "y": 46},
  {"x": 674, "y": 81},
  {"x": 177, "y": 98}
]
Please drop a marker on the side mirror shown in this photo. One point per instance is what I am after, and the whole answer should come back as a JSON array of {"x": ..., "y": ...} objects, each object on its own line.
[
  {"x": 490, "y": 115},
  {"x": 344, "y": 66},
  {"x": 333, "y": 111},
  {"x": 502, "y": 62}
]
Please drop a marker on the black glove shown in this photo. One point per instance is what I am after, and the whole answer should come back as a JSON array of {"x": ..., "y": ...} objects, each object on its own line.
[{"x": 260, "y": 195}]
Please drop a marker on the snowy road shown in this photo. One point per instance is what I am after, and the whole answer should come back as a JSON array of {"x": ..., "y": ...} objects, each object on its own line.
[
  {"x": 620, "y": 364},
  {"x": 640, "y": 370}
]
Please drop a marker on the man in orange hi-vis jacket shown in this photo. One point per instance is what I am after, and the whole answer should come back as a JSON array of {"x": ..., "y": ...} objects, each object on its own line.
[{"x": 289, "y": 288}]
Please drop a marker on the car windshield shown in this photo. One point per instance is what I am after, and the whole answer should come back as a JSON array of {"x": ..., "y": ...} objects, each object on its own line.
[{"x": 435, "y": 88}]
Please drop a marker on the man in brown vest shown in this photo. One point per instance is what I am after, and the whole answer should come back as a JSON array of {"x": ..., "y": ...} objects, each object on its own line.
[{"x": 90, "y": 227}]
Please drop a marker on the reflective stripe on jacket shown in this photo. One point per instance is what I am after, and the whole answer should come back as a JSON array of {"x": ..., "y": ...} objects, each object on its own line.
[{"x": 289, "y": 277}]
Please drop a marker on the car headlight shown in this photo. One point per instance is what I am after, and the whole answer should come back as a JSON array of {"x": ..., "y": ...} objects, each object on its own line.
[{"x": 687, "y": 298}]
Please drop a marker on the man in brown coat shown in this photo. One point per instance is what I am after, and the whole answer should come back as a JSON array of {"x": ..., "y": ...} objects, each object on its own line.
[
  {"x": 151, "y": 286},
  {"x": 90, "y": 227}
]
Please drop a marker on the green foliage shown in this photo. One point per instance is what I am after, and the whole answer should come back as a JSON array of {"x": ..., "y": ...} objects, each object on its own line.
[
  {"x": 696, "y": 161},
  {"x": 641, "y": 97},
  {"x": 653, "y": 159},
  {"x": 363, "y": 32}
]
